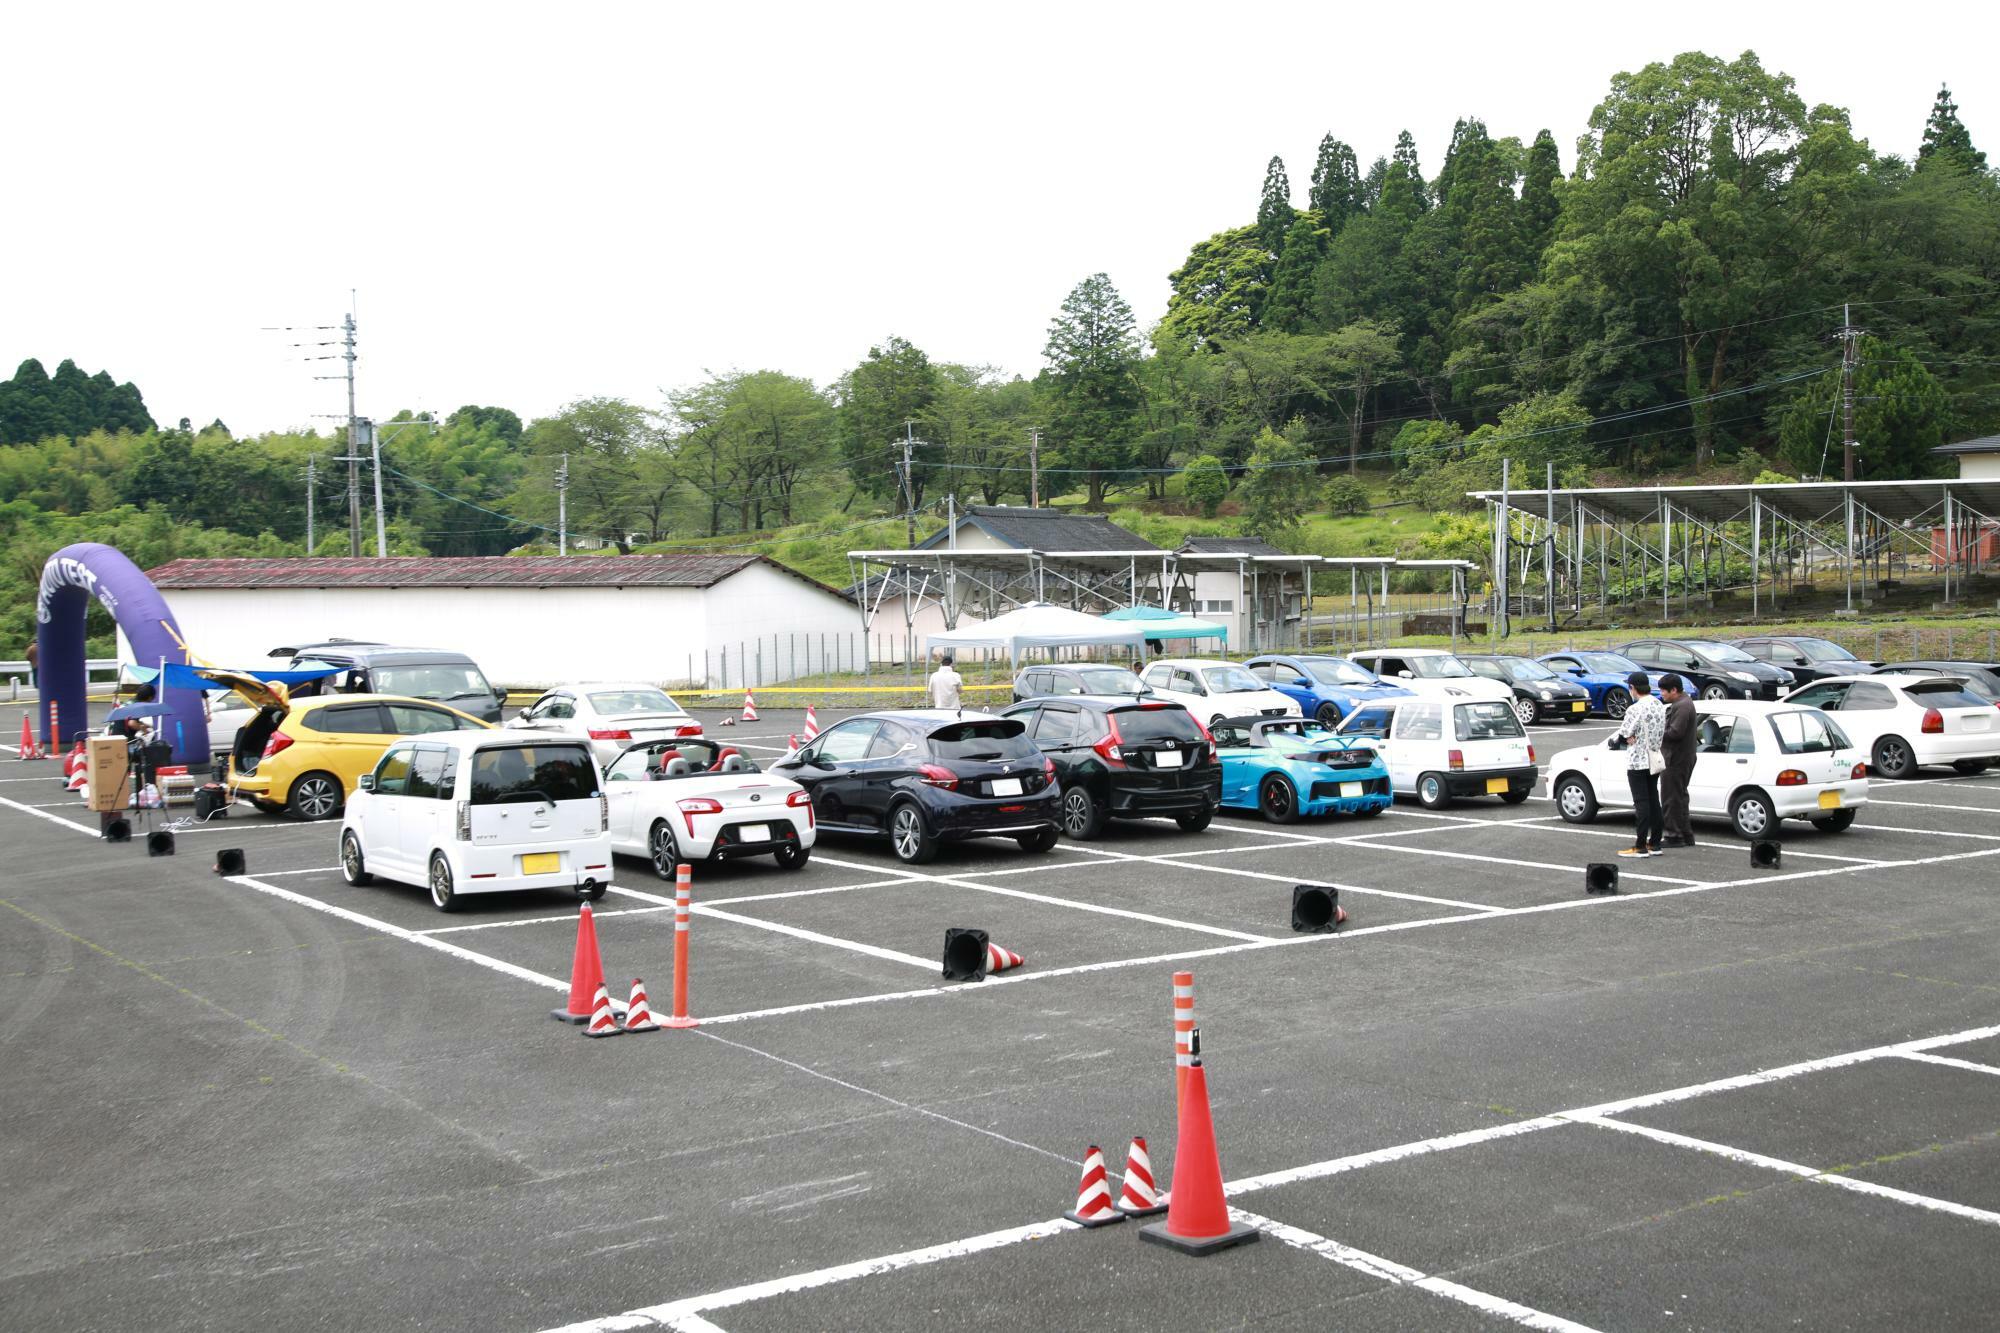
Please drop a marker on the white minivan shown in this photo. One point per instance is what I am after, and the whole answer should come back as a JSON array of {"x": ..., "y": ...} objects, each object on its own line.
[{"x": 465, "y": 812}]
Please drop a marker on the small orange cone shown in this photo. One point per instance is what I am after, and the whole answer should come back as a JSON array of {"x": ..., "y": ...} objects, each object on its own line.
[
  {"x": 75, "y": 761},
  {"x": 791, "y": 742},
  {"x": 586, "y": 973},
  {"x": 749, "y": 705},
  {"x": 603, "y": 1023},
  {"x": 812, "y": 722},
  {"x": 78, "y": 780},
  {"x": 639, "y": 1014},
  {"x": 1001, "y": 960},
  {"x": 1140, "y": 1198},
  {"x": 1197, "y": 1217},
  {"x": 28, "y": 748},
  {"x": 728, "y": 721},
  {"x": 1093, "y": 1195}
]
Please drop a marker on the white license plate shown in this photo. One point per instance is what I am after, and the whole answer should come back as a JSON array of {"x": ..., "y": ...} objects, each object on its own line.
[
  {"x": 1350, "y": 789},
  {"x": 1006, "y": 786},
  {"x": 1166, "y": 759},
  {"x": 1974, "y": 722},
  {"x": 754, "y": 833}
]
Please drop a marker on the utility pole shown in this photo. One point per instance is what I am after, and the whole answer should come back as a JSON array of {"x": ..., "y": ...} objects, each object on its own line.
[
  {"x": 375, "y": 456},
  {"x": 353, "y": 443},
  {"x": 909, "y": 488},
  {"x": 1035, "y": 469},
  {"x": 312, "y": 485},
  {"x": 1850, "y": 338},
  {"x": 562, "y": 507}
]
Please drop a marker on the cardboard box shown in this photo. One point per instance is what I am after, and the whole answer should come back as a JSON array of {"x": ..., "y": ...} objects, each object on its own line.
[{"x": 109, "y": 770}]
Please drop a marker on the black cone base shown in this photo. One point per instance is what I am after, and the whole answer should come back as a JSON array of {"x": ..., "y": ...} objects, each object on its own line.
[
  {"x": 1103, "y": 1219},
  {"x": 1238, "y": 1234}
]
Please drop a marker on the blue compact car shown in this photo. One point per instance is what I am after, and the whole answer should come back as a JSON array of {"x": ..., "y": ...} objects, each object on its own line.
[
  {"x": 1285, "y": 767},
  {"x": 1326, "y": 688},
  {"x": 1603, "y": 674}
]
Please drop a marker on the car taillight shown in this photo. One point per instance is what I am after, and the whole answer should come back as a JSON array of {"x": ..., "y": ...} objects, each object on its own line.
[
  {"x": 697, "y": 805},
  {"x": 1792, "y": 777},
  {"x": 1933, "y": 722},
  {"x": 1455, "y": 760},
  {"x": 465, "y": 821},
  {"x": 1048, "y": 770},
  {"x": 1207, "y": 736},
  {"x": 610, "y": 735},
  {"x": 1107, "y": 748},
  {"x": 689, "y": 729},
  {"x": 937, "y": 775},
  {"x": 1531, "y": 752},
  {"x": 279, "y": 741},
  {"x": 1860, "y": 772},
  {"x": 802, "y": 800},
  {"x": 603, "y": 813}
]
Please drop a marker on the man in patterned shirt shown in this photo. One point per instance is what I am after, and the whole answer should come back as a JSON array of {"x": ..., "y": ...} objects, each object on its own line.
[{"x": 1644, "y": 727}]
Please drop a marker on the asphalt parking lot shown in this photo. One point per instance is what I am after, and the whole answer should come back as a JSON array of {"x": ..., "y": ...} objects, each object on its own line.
[{"x": 1723, "y": 1097}]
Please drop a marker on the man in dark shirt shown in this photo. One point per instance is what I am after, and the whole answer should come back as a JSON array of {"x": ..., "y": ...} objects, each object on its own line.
[{"x": 1678, "y": 749}]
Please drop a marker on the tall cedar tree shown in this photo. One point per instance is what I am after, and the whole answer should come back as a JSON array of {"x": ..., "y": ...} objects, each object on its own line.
[
  {"x": 1288, "y": 307},
  {"x": 1093, "y": 356},
  {"x": 1336, "y": 186},
  {"x": 1947, "y": 140},
  {"x": 1274, "y": 208},
  {"x": 1538, "y": 196}
]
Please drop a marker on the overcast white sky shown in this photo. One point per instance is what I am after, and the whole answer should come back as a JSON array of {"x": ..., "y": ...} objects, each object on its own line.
[{"x": 539, "y": 203}]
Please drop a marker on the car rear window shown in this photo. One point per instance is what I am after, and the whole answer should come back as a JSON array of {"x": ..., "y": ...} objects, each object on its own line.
[
  {"x": 983, "y": 742},
  {"x": 1139, "y": 725},
  {"x": 506, "y": 774},
  {"x": 1485, "y": 722},
  {"x": 1945, "y": 694},
  {"x": 1807, "y": 732}
]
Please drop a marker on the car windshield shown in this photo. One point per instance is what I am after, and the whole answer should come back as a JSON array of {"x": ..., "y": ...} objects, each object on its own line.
[
  {"x": 1110, "y": 680},
  {"x": 1824, "y": 650},
  {"x": 983, "y": 742},
  {"x": 431, "y": 680},
  {"x": 1614, "y": 664},
  {"x": 1333, "y": 671},
  {"x": 1485, "y": 722},
  {"x": 1442, "y": 667},
  {"x": 1720, "y": 652},
  {"x": 503, "y": 775},
  {"x": 1522, "y": 668},
  {"x": 1230, "y": 680},
  {"x": 614, "y": 703}
]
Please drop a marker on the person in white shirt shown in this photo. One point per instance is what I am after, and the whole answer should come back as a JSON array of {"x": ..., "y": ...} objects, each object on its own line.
[
  {"x": 1644, "y": 727},
  {"x": 944, "y": 685}
]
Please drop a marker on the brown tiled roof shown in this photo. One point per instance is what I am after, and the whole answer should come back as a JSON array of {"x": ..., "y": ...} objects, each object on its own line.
[{"x": 476, "y": 571}]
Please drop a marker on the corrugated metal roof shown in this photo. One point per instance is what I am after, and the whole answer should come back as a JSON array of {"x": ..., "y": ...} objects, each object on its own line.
[
  {"x": 479, "y": 571},
  {"x": 1229, "y": 546},
  {"x": 1985, "y": 444},
  {"x": 1046, "y": 530}
]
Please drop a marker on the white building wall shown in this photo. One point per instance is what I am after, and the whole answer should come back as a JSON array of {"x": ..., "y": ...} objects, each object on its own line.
[{"x": 1979, "y": 467}]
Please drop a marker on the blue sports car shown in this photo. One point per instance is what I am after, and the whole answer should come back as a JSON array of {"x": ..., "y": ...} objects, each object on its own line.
[
  {"x": 1285, "y": 767},
  {"x": 1603, "y": 674},
  {"x": 1326, "y": 688}
]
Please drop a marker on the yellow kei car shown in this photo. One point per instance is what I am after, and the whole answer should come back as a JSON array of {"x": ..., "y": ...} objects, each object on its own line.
[{"x": 304, "y": 755}]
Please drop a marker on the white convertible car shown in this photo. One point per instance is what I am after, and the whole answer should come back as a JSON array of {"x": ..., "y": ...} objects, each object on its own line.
[
  {"x": 694, "y": 800},
  {"x": 1756, "y": 763}
]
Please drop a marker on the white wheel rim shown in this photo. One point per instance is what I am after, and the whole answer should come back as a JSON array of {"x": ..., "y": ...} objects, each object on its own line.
[
  {"x": 1753, "y": 817},
  {"x": 907, "y": 833},
  {"x": 316, "y": 798},
  {"x": 350, "y": 856},
  {"x": 1524, "y": 711},
  {"x": 1572, "y": 800},
  {"x": 440, "y": 883}
]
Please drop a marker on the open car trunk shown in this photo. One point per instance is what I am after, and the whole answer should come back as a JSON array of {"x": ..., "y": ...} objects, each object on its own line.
[{"x": 253, "y": 736}]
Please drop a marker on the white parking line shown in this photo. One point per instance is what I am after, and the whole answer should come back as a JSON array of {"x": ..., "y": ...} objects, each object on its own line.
[
  {"x": 811, "y": 936},
  {"x": 1949, "y": 1062},
  {"x": 1935, "y": 805}
]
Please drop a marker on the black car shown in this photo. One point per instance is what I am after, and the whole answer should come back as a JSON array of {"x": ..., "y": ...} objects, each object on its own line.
[
  {"x": 1807, "y": 658},
  {"x": 437, "y": 674},
  {"x": 922, "y": 777},
  {"x": 1713, "y": 670},
  {"x": 1982, "y": 678},
  {"x": 1038, "y": 682},
  {"x": 1538, "y": 691},
  {"x": 1124, "y": 758}
]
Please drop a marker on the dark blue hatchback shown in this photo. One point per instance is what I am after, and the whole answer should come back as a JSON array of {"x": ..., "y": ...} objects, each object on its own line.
[{"x": 1327, "y": 688}]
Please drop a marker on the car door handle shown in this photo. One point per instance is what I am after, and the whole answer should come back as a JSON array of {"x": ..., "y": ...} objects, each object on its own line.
[{"x": 1742, "y": 761}]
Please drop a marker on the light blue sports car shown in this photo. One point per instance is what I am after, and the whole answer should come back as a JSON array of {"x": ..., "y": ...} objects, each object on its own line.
[{"x": 1285, "y": 767}]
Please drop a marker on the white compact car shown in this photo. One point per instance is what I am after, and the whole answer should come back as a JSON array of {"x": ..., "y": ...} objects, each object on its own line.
[
  {"x": 1756, "y": 763},
  {"x": 1903, "y": 722},
  {"x": 1432, "y": 673},
  {"x": 1438, "y": 749},
  {"x": 1212, "y": 690},
  {"x": 695, "y": 800},
  {"x": 473, "y": 812},
  {"x": 614, "y": 716}
]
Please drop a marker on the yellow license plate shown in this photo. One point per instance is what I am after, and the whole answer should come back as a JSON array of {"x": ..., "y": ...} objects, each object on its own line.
[
  {"x": 1578, "y": 708},
  {"x": 1829, "y": 800},
  {"x": 541, "y": 863},
  {"x": 1495, "y": 786}
]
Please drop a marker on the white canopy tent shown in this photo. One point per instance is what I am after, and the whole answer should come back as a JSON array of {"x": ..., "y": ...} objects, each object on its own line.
[{"x": 1040, "y": 625}]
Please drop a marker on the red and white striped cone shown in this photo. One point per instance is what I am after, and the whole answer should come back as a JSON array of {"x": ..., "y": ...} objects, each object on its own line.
[
  {"x": 78, "y": 780},
  {"x": 1183, "y": 1029},
  {"x": 812, "y": 722},
  {"x": 749, "y": 706},
  {"x": 791, "y": 742},
  {"x": 75, "y": 761},
  {"x": 28, "y": 749},
  {"x": 603, "y": 1023},
  {"x": 1140, "y": 1197},
  {"x": 1093, "y": 1194},
  {"x": 1001, "y": 960},
  {"x": 639, "y": 1014},
  {"x": 728, "y": 721}
]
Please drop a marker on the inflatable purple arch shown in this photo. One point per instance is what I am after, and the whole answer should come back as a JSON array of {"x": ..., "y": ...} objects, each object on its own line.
[{"x": 70, "y": 579}]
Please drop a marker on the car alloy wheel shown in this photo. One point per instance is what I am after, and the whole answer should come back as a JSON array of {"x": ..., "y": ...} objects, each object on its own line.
[
  {"x": 1715, "y": 690},
  {"x": 316, "y": 796},
  {"x": 442, "y": 896},
  {"x": 1276, "y": 801},
  {"x": 1327, "y": 716},
  {"x": 1615, "y": 703},
  {"x": 1524, "y": 709},
  {"x": 907, "y": 836},
  {"x": 1893, "y": 758},
  {"x": 1432, "y": 791},
  {"x": 664, "y": 849},
  {"x": 352, "y": 868},
  {"x": 1080, "y": 818}
]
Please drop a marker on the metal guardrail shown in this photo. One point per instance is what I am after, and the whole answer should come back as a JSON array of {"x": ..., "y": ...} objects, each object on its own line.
[{"x": 15, "y": 674}]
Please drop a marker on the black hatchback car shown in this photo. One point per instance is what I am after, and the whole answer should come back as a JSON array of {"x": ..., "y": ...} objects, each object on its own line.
[
  {"x": 1538, "y": 691},
  {"x": 1125, "y": 758},
  {"x": 1807, "y": 658},
  {"x": 924, "y": 777},
  {"x": 1036, "y": 682},
  {"x": 1713, "y": 670}
]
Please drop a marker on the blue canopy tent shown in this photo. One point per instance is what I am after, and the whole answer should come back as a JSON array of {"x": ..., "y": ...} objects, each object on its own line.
[
  {"x": 1159, "y": 623},
  {"x": 204, "y": 678}
]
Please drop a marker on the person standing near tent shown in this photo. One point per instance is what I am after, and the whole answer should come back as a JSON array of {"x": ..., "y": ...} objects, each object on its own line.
[{"x": 944, "y": 685}]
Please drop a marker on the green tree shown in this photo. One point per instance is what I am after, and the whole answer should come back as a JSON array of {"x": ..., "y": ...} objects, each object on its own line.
[
  {"x": 1901, "y": 413},
  {"x": 894, "y": 385},
  {"x": 1205, "y": 483},
  {"x": 1345, "y": 497},
  {"x": 1539, "y": 205},
  {"x": 1336, "y": 186},
  {"x": 1277, "y": 488},
  {"x": 1363, "y": 352},
  {"x": 1093, "y": 355},
  {"x": 1288, "y": 308},
  {"x": 617, "y": 469},
  {"x": 1274, "y": 207},
  {"x": 1218, "y": 292},
  {"x": 35, "y": 405},
  {"x": 1946, "y": 140}
]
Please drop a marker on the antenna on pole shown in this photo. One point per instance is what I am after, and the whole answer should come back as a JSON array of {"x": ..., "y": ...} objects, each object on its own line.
[
  {"x": 1035, "y": 469},
  {"x": 353, "y": 439},
  {"x": 562, "y": 506},
  {"x": 312, "y": 484},
  {"x": 910, "y": 441}
]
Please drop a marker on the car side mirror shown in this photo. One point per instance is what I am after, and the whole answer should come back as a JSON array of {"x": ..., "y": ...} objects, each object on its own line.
[
  {"x": 816, "y": 760},
  {"x": 366, "y": 782},
  {"x": 1406, "y": 675}
]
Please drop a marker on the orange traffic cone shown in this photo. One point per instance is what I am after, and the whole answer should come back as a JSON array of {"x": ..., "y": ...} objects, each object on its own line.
[
  {"x": 77, "y": 780},
  {"x": 812, "y": 722},
  {"x": 75, "y": 761},
  {"x": 1139, "y": 1198},
  {"x": 586, "y": 972},
  {"x": 1001, "y": 960},
  {"x": 749, "y": 705},
  {"x": 28, "y": 748},
  {"x": 1093, "y": 1195},
  {"x": 791, "y": 742},
  {"x": 603, "y": 1023},
  {"x": 1197, "y": 1218},
  {"x": 639, "y": 1014}
]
